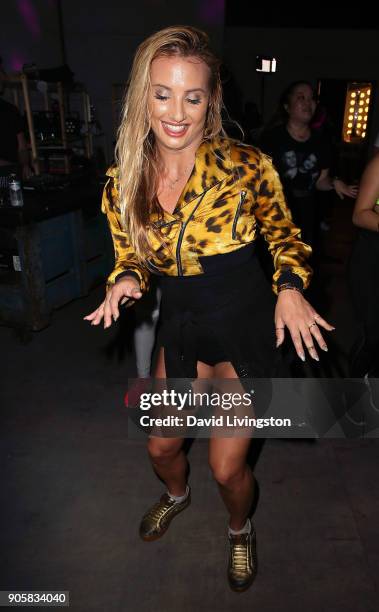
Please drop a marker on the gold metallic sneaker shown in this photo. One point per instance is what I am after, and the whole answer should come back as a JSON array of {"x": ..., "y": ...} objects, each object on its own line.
[
  {"x": 243, "y": 564},
  {"x": 156, "y": 521}
]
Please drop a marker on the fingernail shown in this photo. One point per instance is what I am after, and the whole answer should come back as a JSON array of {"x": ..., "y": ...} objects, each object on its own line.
[
  {"x": 324, "y": 348},
  {"x": 316, "y": 358},
  {"x": 302, "y": 357}
]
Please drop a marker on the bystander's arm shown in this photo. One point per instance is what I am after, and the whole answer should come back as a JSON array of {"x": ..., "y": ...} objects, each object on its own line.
[{"x": 365, "y": 213}]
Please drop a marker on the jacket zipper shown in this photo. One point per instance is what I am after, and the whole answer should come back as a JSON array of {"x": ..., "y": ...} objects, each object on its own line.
[
  {"x": 238, "y": 212},
  {"x": 153, "y": 267},
  {"x": 181, "y": 234},
  {"x": 159, "y": 225}
]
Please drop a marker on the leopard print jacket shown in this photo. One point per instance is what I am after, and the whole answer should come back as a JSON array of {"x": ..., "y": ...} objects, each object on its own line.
[{"x": 232, "y": 194}]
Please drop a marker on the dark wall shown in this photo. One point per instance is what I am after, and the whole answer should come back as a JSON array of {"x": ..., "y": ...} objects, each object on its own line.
[
  {"x": 29, "y": 33},
  {"x": 301, "y": 54},
  {"x": 101, "y": 38}
]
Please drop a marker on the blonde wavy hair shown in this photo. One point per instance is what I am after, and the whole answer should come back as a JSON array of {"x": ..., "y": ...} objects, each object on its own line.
[{"x": 136, "y": 156}]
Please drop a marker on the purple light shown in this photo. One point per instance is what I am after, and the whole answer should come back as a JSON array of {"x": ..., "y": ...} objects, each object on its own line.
[
  {"x": 16, "y": 62},
  {"x": 30, "y": 17},
  {"x": 212, "y": 11}
]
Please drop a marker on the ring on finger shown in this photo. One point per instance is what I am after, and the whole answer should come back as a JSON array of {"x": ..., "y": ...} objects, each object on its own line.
[
  {"x": 312, "y": 324},
  {"x": 310, "y": 347}
]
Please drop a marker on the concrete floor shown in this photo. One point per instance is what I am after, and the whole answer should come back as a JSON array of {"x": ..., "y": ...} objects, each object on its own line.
[{"x": 73, "y": 488}]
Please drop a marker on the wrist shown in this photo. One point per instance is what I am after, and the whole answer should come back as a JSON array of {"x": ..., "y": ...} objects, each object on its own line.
[
  {"x": 288, "y": 287},
  {"x": 288, "y": 279},
  {"x": 132, "y": 282},
  {"x": 334, "y": 181},
  {"x": 128, "y": 275}
]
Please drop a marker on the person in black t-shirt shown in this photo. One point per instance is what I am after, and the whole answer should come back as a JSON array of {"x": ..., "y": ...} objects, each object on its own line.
[
  {"x": 13, "y": 148},
  {"x": 302, "y": 156}
]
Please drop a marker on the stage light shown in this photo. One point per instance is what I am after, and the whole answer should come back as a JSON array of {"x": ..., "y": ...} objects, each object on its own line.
[{"x": 357, "y": 107}]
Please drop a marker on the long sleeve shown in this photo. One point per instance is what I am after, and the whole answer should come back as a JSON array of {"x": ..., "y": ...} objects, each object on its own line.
[
  {"x": 126, "y": 262},
  {"x": 289, "y": 253}
]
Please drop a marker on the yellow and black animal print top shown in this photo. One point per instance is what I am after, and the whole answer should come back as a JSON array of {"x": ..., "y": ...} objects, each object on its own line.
[{"x": 232, "y": 194}]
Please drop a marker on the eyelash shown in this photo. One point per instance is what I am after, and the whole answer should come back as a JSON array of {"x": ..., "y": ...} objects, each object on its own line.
[{"x": 159, "y": 97}]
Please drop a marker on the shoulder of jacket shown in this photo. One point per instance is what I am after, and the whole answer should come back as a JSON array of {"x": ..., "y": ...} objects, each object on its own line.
[
  {"x": 242, "y": 153},
  {"x": 112, "y": 172}
]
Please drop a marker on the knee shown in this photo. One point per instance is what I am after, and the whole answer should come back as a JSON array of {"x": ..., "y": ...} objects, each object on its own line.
[
  {"x": 161, "y": 454},
  {"x": 227, "y": 475}
]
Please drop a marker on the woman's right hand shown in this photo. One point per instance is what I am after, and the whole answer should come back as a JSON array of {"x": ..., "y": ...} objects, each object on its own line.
[
  {"x": 125, "y": 289},
  {"x": 342, "y": 189}
]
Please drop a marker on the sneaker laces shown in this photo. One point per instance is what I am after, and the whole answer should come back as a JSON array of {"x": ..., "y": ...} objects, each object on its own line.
[
  {"x": 240, "y": 553},
  {"x": 157, "y": 512}
]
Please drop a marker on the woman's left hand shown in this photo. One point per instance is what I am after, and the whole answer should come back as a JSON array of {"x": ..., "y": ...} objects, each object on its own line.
[
  {"x": 303, "y": 322},
  {"x": 342, "y": 189}
]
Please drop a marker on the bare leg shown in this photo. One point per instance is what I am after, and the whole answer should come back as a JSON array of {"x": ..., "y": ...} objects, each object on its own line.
[
  {"x": 166, "y": 454},
  {"x": 227, "y": 459}
]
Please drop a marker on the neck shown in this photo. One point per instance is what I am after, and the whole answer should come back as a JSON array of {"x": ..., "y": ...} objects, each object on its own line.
[
  {"x": 298, "y": 128},
  {"x": 174, "y": 163}
]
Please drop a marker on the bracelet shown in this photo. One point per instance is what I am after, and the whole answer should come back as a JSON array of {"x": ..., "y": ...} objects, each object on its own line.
[{"x": 285, "y": 286}]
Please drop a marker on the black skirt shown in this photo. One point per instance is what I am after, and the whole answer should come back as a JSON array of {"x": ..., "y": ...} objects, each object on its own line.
[{"x": 225, "y": 314}]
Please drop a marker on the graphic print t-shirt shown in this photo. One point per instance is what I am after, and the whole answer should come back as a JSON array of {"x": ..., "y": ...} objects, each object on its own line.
[{"x": 299, "y": 164}]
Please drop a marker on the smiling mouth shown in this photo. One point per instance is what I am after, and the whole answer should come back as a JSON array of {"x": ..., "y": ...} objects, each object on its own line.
[{"x": 174, "y": 128}]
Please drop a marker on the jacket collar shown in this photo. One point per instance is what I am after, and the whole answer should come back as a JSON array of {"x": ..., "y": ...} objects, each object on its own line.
[
  {"x": 112, "y": 172},
  {"x": 213, "y": 164}
]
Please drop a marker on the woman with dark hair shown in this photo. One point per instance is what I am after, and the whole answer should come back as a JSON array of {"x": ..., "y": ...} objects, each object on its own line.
[
  {"x": 187, "y": 203},
  {"x": 302, "y": 156}
]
